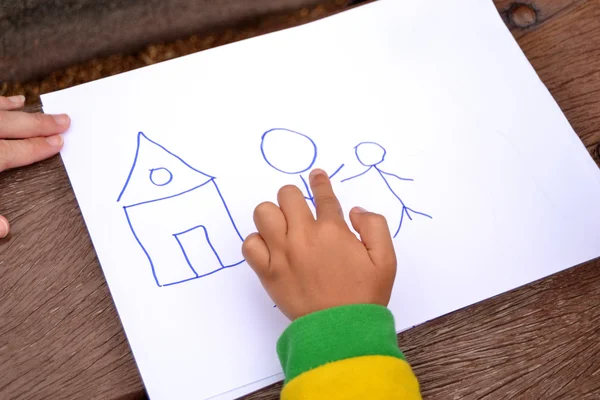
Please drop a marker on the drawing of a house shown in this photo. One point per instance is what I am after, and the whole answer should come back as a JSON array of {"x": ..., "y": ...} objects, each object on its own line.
[{"x": 178, "y": 216}]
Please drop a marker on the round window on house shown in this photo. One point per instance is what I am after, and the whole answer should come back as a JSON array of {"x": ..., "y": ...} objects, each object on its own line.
[{"x": 160, "y": 176}]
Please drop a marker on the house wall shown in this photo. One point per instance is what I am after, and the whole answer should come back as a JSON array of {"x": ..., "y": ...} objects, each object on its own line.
[{"x": 155, "y": 225}]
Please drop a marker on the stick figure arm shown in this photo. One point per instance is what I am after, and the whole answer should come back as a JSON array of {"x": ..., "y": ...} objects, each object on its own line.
[
  {"x": 356, "y": 176},
  {"x": 336, "y": 171},
  {"x": 396, "y": 176},
  {"x": 307, "y": 194}
]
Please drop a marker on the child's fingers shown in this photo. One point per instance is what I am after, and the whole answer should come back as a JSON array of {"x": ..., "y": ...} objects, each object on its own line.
[
  {"x": 11, "y": 103},
  {"x": 18, "y": 153},
  {"x": 271, "y": 224},
  {"x": 326, "y": 202},
  {"x": 294, "y": 206},
  {"x": 21, "y": 125},
  {"x": 375, "y": 235},
  {"x": 4, "y": 227},
  {"x": 256, "y": 253}
]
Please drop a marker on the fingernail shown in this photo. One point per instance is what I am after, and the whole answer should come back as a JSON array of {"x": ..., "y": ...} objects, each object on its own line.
[
  {"x": 55, "y": 141},
  {"x": 4, "y": 228},
  {"x": 62, "y": 119},
  {"x": 359, "y": 210},
  {"x": 316, "y": 172},
  {"x": 20, "y": 99}
]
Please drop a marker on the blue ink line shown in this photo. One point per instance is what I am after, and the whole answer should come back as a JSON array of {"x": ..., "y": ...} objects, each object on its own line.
[
  {"x": 137, "y": 150},
  {"x": 404, "y": 208},
  {"x": 142, "y": 246},
  {"x": 222, "y": 266},
  {"x": 159, "y": 169},
  {"x": 185, "y": 280},
  {"x": 174, "y": 155},
  {"x": 262, "y": 150},
  {"x": 420, "y": 213},
  {"x": 201, "y": 276},
  {"x": 185, "y": 254},
  {"x": 310, "y": 195},
  {"x": 399, "y": 199},
  {"x": 361, "y": 174},
  {"x": 389, "y": 187},
  {"x": 170, "y": 178},
  {"x": 336, "y": 171},
  {"x": 395, "y": 176},
  {"x": 235, "y": 264},
  {"x": 209, "y": 243},
  {"x": 170, "y": 197},
  {"x": 227, "y": 209},
  {"x": 376, "y": 144},
  {"x": 400, "y": 224},
  {"x": 192, "y": 229}
]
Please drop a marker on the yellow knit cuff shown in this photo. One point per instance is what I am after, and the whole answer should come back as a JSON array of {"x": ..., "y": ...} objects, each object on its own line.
[{"x": 359, "y": 378}]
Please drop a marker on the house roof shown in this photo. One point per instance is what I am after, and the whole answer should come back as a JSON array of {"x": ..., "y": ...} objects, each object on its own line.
[{"x": 157, "y": 173}]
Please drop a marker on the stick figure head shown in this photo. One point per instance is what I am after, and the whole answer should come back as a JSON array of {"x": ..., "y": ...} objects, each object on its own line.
[
  {"x": 370, "y": 154},
  {"x": 288, "y": 151}
]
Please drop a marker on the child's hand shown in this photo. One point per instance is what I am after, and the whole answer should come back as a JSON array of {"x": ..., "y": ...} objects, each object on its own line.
[
  {"x": 38, "y": 134},
  {"x": 307, "y": 265}
]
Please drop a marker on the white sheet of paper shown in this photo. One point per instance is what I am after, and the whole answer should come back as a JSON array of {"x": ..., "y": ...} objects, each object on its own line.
[{"x": 511, "y": 191}]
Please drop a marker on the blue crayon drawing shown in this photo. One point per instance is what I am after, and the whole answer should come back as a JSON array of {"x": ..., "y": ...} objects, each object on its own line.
[
  {"x": 178, "y": 216},
  {"x": 291, "y": 153},
  {"x": 371, "y": 155}
]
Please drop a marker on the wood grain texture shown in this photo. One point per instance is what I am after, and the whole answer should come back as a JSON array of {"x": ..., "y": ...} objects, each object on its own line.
[
  {"x": 39, "y": 36},
  {"x": 541, "y": 341},
  {"x": 60, "y": 337},
  {"x": 157, "y": 52}
]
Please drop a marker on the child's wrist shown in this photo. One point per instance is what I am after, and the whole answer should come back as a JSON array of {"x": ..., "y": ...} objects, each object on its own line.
[{"x": 336, "y": 334}]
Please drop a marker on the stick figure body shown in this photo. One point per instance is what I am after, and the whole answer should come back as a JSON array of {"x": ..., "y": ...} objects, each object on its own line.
[{"x": 371, "y": 155}]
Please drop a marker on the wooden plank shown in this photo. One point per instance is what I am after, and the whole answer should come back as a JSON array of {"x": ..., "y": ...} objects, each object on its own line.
[
  {"x": 564, "y": 48},
  {"x": 158, "y": 52},
  {"x": 541, "y": 341},
  {"x": 60, "y": 336},
  {"x": 39, "y": 36}
]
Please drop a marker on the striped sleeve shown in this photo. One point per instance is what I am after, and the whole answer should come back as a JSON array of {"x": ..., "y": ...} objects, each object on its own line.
[{"x": 347, "y": 352}]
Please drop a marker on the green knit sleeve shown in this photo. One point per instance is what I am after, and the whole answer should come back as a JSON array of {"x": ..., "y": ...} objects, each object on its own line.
[{"x": 336, "y": 334}]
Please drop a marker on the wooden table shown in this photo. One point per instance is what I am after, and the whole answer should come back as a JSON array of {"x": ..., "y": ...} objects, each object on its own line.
[{"x": 60, "y": 337}]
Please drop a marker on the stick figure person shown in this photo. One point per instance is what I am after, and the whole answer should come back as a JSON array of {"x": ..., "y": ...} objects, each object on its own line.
[
  {"x": 371, "y": 155},
  {"x": 291, "y": 153}
]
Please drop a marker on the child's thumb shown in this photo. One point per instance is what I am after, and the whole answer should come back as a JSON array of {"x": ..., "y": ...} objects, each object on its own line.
[{"x": 375, "y": 235}]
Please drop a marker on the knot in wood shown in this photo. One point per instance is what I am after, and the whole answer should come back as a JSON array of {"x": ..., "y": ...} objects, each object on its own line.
[
  {"x": 522, "y": 15},
  {"x": 354, "y": 2}
]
